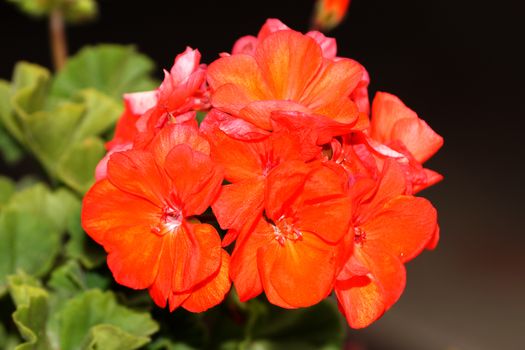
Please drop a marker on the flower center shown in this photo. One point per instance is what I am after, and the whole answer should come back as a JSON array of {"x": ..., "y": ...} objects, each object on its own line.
[
  {"x": 170, "y": 220},
  {"x": 359, "y": 235},
  {"x": 284, "y": 229}
]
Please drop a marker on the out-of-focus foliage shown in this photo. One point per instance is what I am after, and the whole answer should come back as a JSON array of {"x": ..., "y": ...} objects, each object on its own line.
[
  {"x": 75, "y": 11},
  {"x": 62, "y": 120}
]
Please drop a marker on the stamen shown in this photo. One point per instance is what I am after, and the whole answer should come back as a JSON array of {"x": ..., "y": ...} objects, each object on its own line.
[
  {"x": 170, "y": 220},
  {"x": 285, "y": 230},
  {"x": 359, "y": 235}
]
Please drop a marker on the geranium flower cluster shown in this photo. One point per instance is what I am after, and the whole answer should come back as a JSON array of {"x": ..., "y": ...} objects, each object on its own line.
[{"x": 313, "y": 189}]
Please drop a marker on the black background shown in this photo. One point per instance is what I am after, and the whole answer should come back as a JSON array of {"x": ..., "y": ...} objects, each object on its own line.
[{"x": 459, "y": 65}]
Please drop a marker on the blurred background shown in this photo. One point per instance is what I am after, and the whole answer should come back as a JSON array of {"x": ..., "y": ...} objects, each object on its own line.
[{"x": 458, "y": 65}]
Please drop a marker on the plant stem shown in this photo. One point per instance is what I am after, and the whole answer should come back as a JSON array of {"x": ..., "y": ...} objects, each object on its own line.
[{"x": 57, "y": 36}]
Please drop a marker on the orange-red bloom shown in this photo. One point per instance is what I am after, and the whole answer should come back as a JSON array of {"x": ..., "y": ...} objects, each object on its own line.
[
  {"x": 400, "y": 129},
  {"x": 389, "y": 229},
  {"x": 145, "y": 214},
  {"x": 287, "y": 72},
  {"x": 293, "y": 251},
  {"x": 318, "y": 196},
  {"x": 247, "y": 166},
  {"x": 145, "y": 113}
]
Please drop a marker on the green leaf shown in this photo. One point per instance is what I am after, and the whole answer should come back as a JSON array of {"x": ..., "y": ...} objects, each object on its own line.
[
  {"x": 7, "y": 189},
  {"x": 31, "y": 224},
  {"x": 105, "y": 336},
  {"x": 75, "y": 11},
  {"x": 80, "y": 247},
  {"x": 77, "y": 166},
  {"x": 101, "y": 113},
  {"x": 29, "y": 88},
  {"x": 26, "y": 243},
  {"x": 64, "y": 139},
  {"x": 24, "y": 96},
  {"x": 33, "y": 7},
  {"x": 70, "y": 279},
  {"x": 10, "y": 151},
  {"x": 111, "y": 69},
  {"x": 48, "y": 134},
  {"x": 32, "y": 310},
  {"x": 94, "y": 320},
  {"x": 8, "y": 341}
]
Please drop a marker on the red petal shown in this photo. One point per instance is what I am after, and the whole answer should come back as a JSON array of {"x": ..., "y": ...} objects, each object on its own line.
[
  {"x": 293, "y": 273},
  {"x": 239, "y": 204},
  {"x": 288, "y": 61},
  {"x": 197, "y": 256},
  {"x": 316, "y": 129},
  {"x": 271, "y": 25},
  {"x": 245, "y": 45},
  {"x": 361, "y": 303},
  {"x": 243, "y": 269},
  {"x": 403, "y": 227},
  {"x": 136, "y": 172},
  {"x": 241, "y": 72},
  {"x": 240, "y": 159},
  {"x": 392, "y": 184},
  {"x": 212, "y": 291},
  {"x": 284, "y": 184},
  {"x": 418, "y": 138},
  {"x": 196, "y": 179},
  {"x": 432, "y": 178},
  {"x": 234, "y": 127},
  {"x": 392, "y": 120},
  {"x": 175, "y": 134},
  {"x": 120, "y": 222},
  {"x": 323, "y": 207},
  {"x": 328, "y": 45},
  {"x": 259, "y": 112},
  {"x": 335, "y": 81},
  {"x": 364, "y": 299}
]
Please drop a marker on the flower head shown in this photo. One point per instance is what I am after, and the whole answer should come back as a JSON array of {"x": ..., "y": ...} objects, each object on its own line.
[{"x": 145, "y": 214}]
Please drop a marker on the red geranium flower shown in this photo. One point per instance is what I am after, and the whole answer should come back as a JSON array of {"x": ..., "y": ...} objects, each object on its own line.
[
  {"x": 145, "y": 113},
  {"x": 400, "y": 129},
  {"x": 293, "y": 251},
  {"x": 144, "y": 214},
  {"x": 389, "y": 229},
  {"x": 247, "y": 166},
  {"x": 287, "y": 72}
]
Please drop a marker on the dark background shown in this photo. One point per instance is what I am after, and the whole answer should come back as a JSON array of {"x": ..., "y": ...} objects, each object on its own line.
[{"x": 458, "y": 64}]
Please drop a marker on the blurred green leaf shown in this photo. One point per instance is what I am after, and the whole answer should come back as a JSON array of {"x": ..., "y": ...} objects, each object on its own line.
[
  {"x": 77, "y": 166},
  {"x": 25, "y": 95},
  {"x": 8, "y": 341},
  {"x": 31, "y": 224},
  {"x": 31, "y": 313},
  {"x": 94, "y": 320},
  {"x": 10, "y": 151},
  {"x": 87, "y": 320},
  {"x": 79, "y": 246},
  {"x": 111, "y": 69},
  {"x": 70, "y": 279},
  {"x": 7, "y": 189},
  {"x": 75, "y": 11},
  {"x": 26, "y": 243}
]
